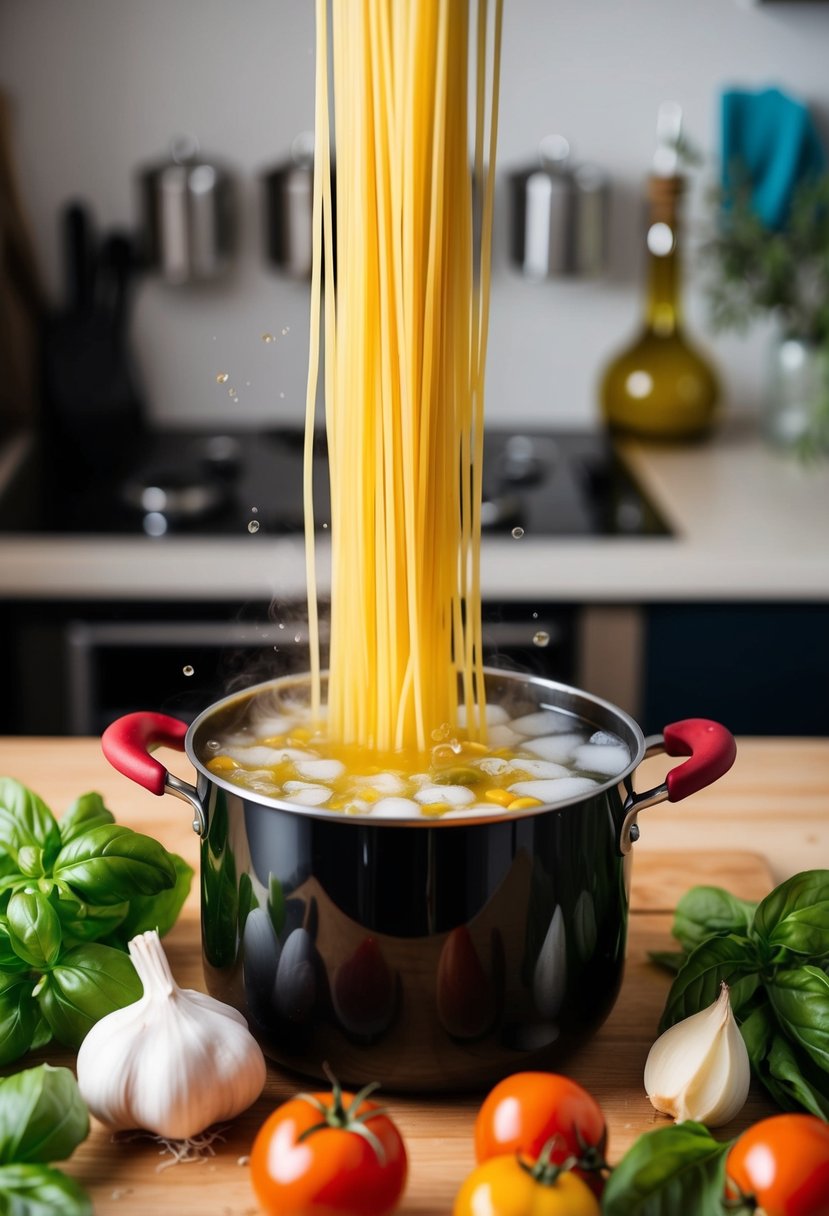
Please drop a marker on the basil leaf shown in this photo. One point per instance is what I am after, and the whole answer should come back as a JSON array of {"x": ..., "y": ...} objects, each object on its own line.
[
  {"x": 89, "y": 982},
  {"x": 671, "y": 960},
  {"x": 25, "y": 820},
  {"x": 704, "y": 912},
  {"x": 220, "y": 909},
  {"x": 158, "y": 912},
  {"x": 91, "y": 924},
  {"x": 112, "y": 863},
  {"x": 19, "y": 1016},
  {"x": 674, "y": 1169},
  {"x": 34, "y": 928},
  {"x": 796, "y": 915},
  {"x": 9, "y": 960},
  {"x": 37, "y": 1190},
  {"x": 42, "y": 1116},
  {"x": 43, "y": 1033},
  {"x": 85, "y": 813},
  {"x": 800, "y": 999},
  {"x": 720, "y": 959}
]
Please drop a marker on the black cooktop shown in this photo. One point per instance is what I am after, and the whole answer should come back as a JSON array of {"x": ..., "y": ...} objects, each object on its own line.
[{"x": 177, "y": 482}]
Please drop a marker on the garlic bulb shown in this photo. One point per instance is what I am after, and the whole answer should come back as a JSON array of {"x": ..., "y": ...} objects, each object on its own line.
[
  {"x": 699, "y": 1069},
  {"x": 173, "y": 1062}
]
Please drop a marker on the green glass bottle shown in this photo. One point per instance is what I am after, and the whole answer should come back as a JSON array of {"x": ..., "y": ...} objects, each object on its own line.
[{"x": 661, "y": 387}]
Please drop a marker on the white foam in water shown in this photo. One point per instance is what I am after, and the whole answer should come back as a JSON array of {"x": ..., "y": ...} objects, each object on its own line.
[
  {"x": 504, "y": 736},
  {"x": 601, "y": 758},
  {"x": 312, "y": 795},
  {"x": 383, "y": 783},
  {"x": 493, "y": 766},
  {"x": 553, "y": 791},
  {"x": 558, "y": 748},
  {"x": 273, "y": 724},
  {"x": 320, "y": 770},
  {"x": 259, "y": 756},
  {"x": 477, "y": 808},
  {"x": 603, "y": 738},
  {"x": 495, "y": 715},
  {"x": 395, "y": 808},
  {"x": 538, "y": 768},
  {"x": 455, "y": 795},
  {"x": 545, "y": 722}
]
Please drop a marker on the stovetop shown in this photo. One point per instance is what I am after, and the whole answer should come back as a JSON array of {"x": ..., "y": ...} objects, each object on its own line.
[{"x": 177, "y": 482}]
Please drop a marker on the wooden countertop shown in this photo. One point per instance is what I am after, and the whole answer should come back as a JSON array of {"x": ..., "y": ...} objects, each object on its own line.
[{"x": 768, "y": 818}]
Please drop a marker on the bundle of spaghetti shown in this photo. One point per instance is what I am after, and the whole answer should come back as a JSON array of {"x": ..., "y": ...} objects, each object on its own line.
[{"x": 405, "y": 326}]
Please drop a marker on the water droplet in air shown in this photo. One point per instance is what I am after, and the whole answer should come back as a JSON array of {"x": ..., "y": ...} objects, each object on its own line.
[
  {"x": 324, "y": 527},
  {"x": 281, "y": 624},
  {"x": 542, "y": 638},
  {"x": 456, "y": 746},
  {"x": 231, "y": 392},
  {"x": 187, "y": 670},
  {"x": 517, "y": 533},
  {"x": 441, "y": 732},
  {"x": 253, "y": 525},
  {"x": 267, "y": 337},
  {"x": 254, "y": 510},
  {"x": 535, "y": 616},
  {"x": 286, "y": 330},
  {"x": 222, "y": 377},
  {"x": 297, "y": 637},
  {"x": 282, "y": 395}
]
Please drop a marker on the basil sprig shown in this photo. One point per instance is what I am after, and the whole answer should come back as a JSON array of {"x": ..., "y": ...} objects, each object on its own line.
[
  {"x": 671, "y": 1170},
  {"x": 774, "y": 956},
  {"x": 42, "y": 1119},
  {"x": 72, "y": 894}
]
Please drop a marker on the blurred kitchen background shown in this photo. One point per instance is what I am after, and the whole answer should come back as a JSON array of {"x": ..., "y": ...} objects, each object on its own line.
[{"x": 695, "y": 580}]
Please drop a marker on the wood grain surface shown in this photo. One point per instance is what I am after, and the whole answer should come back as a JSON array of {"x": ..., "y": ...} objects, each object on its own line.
[{"x": 792, "y": 776}]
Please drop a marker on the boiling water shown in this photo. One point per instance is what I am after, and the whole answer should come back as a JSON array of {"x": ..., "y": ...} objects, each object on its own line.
[{"x": 532, "y": 760}]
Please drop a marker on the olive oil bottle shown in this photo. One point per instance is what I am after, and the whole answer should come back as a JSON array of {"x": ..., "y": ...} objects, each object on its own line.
[{"x": 661, "y": 387}]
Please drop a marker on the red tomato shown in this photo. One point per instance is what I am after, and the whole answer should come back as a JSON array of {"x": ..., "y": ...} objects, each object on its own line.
[
  {"x": 782, "y": 1164},
  {"x": 350, "y": 1163},
  {"x": 525, "y": 1111}
]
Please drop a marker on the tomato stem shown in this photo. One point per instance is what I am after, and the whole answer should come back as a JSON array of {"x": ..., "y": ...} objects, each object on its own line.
[{"x": 349, "y": 1119}]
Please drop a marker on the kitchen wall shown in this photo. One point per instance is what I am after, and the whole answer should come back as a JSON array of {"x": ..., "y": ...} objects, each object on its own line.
[{"x": 100, "y": 86}]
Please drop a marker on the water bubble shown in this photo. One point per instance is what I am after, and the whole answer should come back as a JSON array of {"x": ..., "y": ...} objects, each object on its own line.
[
  {"x": 213, "y": 745},
  {"x": 517, "y": 533},
  {"x": 231, "y": 392},
  {"x": 456, "y": 745},
  {"x": 440, "y": 733},
  {"x": 267, "y": 338},
  {"x": 187, "y": 670},
  {"x": 222, "y": 377},
  {"x": 253, "y": 525},
  {"x": 541, "y": 638}
]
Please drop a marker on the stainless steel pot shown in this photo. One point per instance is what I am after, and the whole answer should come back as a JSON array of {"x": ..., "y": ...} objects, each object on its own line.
[
  {"x": 188, "y": 215},
  {"x": 428, "y": 955}
]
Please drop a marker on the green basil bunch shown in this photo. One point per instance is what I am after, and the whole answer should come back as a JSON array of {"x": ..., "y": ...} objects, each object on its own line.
[
  {"x": 677, "y": 1169},
  {"x": 42, "y": 1119},
  {"x": 774, "y": 956},
  {"x": 72, "y": 894}
]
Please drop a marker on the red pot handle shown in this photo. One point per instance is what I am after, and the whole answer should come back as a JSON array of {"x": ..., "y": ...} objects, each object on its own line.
[
  {"x": 712, "y": 750},
  {"x": 127, "y": 742}
]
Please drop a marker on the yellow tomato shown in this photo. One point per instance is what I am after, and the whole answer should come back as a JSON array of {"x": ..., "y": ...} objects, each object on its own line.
[{"x": 503, "y": 1186}]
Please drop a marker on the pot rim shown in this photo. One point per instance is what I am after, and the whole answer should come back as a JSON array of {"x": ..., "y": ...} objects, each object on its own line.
[{"x": 468, "y": 819}]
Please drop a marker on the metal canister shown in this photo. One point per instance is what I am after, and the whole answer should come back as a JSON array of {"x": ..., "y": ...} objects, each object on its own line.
[
  {"x": 188, "y": 215},
  {"x": 289, "y": 195},
  {"x": 559, "y": 215}
]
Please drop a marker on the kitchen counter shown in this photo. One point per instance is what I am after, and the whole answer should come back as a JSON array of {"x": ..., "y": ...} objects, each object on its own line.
[
  {"x": 773, "y": 800},
  {"x": 748, "y": 524}
]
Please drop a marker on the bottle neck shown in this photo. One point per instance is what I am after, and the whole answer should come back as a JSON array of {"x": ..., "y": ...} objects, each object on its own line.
[{"x": 662, "y": 310}]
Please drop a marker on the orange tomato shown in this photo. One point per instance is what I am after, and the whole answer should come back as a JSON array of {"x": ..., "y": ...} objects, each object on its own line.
[{"x": 782, "y": 1165}]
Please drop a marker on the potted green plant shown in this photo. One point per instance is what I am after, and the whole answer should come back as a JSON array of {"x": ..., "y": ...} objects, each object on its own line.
[{"x": 757, "y": 271}]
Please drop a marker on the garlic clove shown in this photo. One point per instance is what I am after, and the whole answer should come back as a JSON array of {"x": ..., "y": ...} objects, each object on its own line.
[{"x": 699, "y": 1068}]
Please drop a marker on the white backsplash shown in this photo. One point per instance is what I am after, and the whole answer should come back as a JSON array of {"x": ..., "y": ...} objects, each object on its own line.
[{"x": 99, "y": 87}]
